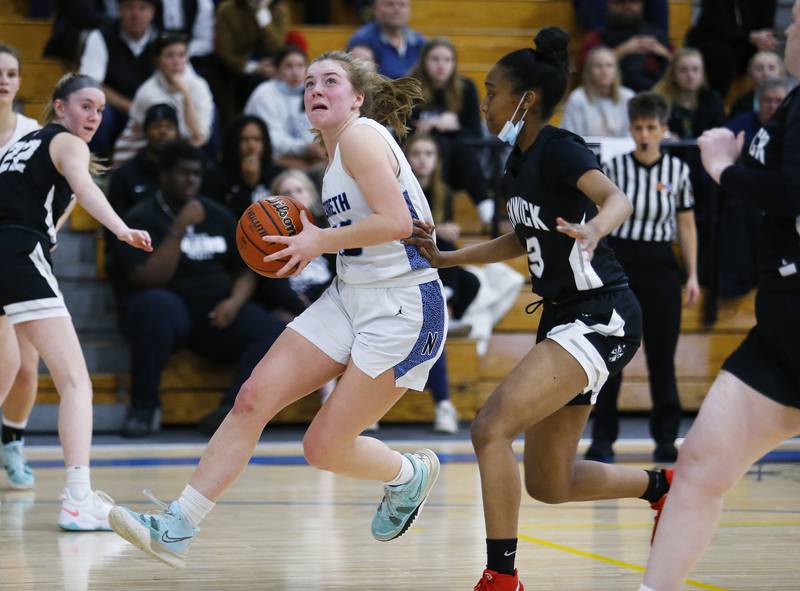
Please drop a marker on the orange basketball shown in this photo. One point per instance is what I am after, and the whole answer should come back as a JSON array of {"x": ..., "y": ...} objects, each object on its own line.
[{"x": 273, "y": 216}]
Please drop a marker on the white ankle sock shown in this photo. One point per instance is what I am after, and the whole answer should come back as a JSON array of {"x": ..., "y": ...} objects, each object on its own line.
[
  {"x": 643, "y": 588},
  {"x": 194, "y": 505},
  {"x": 79, "y": 482},
  {"x": 405, "y": 474},
  {"x": 13, "y": 425}
]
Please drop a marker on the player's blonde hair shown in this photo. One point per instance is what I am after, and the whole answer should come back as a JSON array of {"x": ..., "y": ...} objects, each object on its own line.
[{"x": 387, "y": 101}]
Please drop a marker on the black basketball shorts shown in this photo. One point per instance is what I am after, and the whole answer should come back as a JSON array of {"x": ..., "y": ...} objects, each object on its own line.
[
  {"x": 28, "y": 288},
  {"x": 601, "y": 331},
  {"x": 768, "y": 360}
]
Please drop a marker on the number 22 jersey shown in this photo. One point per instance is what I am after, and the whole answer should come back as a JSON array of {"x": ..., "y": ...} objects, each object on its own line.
[
  {"x": 540, "y": 185},
  {"x": 33, "y": 194}
]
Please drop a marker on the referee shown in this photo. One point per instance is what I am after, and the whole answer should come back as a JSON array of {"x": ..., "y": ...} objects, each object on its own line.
[{"x": 659, "y": 188}]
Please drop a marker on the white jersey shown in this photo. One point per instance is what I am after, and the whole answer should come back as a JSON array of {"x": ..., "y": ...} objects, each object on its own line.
[
  {"x": 24, "y": 126},
  {"x": 383, "y": 265}
]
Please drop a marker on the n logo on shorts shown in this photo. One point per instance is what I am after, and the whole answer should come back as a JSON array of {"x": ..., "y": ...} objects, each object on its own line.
[{"x": 430, "y": 344}]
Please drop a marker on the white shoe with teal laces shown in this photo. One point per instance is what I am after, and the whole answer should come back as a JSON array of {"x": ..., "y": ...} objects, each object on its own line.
[
  {"x": 401, "y": 504},
  {"x": 19, "y": 473},
  {"x": 165, "y": 536}
]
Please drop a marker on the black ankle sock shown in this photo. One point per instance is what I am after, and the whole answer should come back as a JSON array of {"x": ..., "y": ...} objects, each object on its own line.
[
  {"x": 12, "y": 434},
  {"x": 500, "y": 555},
  {"x": 657, "y": 487}
]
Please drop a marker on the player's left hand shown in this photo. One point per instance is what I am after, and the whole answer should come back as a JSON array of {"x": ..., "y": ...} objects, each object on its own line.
[
  {"x": 137, "y": 239},
  {"x": 719, "y": 148},
  {"x": 224, "y": 313},
  {"x": 586, "y": 234},
  {"x": 301, "y": 248}
]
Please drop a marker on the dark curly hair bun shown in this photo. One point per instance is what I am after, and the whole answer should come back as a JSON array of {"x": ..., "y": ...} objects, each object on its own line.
[{"x": 551, "y": 46}]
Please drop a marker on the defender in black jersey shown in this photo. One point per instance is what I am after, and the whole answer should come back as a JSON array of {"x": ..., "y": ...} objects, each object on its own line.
[
  {"x": 754, "y": 404},
  {"x": 38, "y": 177},
  {"x": 591, "y": 322}
]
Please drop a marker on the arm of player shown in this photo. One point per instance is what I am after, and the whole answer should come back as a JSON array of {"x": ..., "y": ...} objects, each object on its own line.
[
  {"x": 502, "y": 248},
  {"x": 615, "y": 208},
  {"x": 687, "y": 234},
  {"x": 70, "y": 155},
  {"x": 370, "y": 161}
]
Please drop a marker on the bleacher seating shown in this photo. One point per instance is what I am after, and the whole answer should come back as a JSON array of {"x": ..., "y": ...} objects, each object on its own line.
[{"x": 482, "y": 32}]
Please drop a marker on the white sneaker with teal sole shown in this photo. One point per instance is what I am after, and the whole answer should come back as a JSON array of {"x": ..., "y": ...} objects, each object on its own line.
[
  {"x": 165, "y": 536},
  {"x": 19, "y": 473},
  {"x": 401, "y": 504},
  {"x": 88, "y": 514}
]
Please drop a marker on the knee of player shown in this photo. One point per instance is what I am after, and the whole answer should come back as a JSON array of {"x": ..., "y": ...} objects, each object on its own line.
[
  {"x": 702, "y": 470},
  {"x": 486, "y": 432},
  {"x": 545, "y": 491},
  {"x": 247, "y": 399},
  {"x": 318, "y": 451}
]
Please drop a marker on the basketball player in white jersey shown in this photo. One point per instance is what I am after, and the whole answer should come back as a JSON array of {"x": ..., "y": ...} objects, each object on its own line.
[
  {"x": 19, "y": 402},
  {"x": 379, "y": 326}
]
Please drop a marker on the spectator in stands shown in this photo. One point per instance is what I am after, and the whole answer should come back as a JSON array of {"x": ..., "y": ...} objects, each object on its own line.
[
  {"x": 192, "y": 291},
  {"x": 450, "y": 113},
  {"x": 395, "y": 45},
  {"x": 193, "y": 19},
  {"x": 740, "y": 220},
  {"x": 174, "y": 83},
  {"x": 279, "y": 103},
  {"x": 137, "y": 179},
  {"x": 73, "y": 21},
  {"x": 246, "y": 169},
  {"x": 643, "y": 51},
  {"x": 764, "y": 65},
  {"x": 592, "y": 14},
  {"x": 694, "y": 108},
  {"x": 24, "y": 382},
  {"x": 728, "y": 33},
  {"x": 363, "y": 51},
  {"x": 119, "y": 55},
  {"x": 248, "y": 34},
  {"x": 599, "y": 107},
  {"x": 660, "y": 191}
]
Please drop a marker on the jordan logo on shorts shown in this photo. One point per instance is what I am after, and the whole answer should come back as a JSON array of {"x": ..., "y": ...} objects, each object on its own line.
[
  {"x": 430, "y": 344},
  {"x": 616, "y": 353}
]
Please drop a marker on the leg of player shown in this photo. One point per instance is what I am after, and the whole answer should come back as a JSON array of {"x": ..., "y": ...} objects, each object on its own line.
[
  {"x": 539, "y": 386},
  {"x": 291, "y": 369},
  {"x": 9, "y": 358},
  {"x": 16, "y": 411},
  {"x": 57, "y": 342},
  {"x": 333, "y": 442},
  {"x": 735, "y": 427}
]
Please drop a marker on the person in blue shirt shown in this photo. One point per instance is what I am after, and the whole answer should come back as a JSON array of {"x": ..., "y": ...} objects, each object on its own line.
[{"x": 395, "y": 45}]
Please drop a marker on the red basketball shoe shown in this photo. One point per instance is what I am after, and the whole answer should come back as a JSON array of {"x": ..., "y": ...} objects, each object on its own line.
[
  {"x": 658, "y": 506},
  {"x": 495, "y": 581}
]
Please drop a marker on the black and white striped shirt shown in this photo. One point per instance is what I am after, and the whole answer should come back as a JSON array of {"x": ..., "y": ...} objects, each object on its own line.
[{"x": 657, "y": 192}]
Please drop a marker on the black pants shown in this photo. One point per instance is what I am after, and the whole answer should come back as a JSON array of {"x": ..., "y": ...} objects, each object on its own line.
[
  {"x": 655, "y": 278},
  {"x": 158, "y": 322}
]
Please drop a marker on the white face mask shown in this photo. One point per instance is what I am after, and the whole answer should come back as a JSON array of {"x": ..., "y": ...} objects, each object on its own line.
[{"x": 511, "y": 130}]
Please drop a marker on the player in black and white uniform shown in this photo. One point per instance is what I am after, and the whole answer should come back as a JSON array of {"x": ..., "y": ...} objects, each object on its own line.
[
  {"x": 591, "y": 322},
  {"x": 21, "y": 387},
  {"x": 40, "y": 176},
  {"x": 754, "y": 404}
]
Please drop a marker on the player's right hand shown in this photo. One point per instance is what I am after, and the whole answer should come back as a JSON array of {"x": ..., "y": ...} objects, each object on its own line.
[
  {"x": 422, "y": 238},
  {"x": 137, "y": 239}
]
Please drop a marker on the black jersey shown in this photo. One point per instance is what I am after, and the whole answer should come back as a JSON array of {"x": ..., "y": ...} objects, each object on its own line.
[
  {"x": 768, "y": 175},
  {"x": 33, "y": 194},
  {"x": 540, "y": 185}
]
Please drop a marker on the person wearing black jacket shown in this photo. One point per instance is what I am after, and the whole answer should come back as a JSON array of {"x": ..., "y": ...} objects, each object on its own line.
[
  {"x": 728, "y": 32},
  {"x": 754, "y": 403}
]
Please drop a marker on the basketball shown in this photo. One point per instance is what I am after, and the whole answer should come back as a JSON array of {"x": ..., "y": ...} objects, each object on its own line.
[{"x": 274, "y": 216}]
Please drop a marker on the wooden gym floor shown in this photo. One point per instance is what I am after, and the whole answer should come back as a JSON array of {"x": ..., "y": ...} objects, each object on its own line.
[{"x": 284, "y": 525}]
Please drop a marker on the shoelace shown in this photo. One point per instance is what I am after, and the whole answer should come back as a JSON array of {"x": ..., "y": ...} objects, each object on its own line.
[
  {"x": 483, "y": 584},
  {"x": 148, "y": 493},
  {"x": 103, "y": 496},
  {"x": 387, "y": 500}
]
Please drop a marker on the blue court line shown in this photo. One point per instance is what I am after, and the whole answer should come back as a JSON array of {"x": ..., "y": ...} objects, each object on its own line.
[{"x": 777, "y": 456}]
